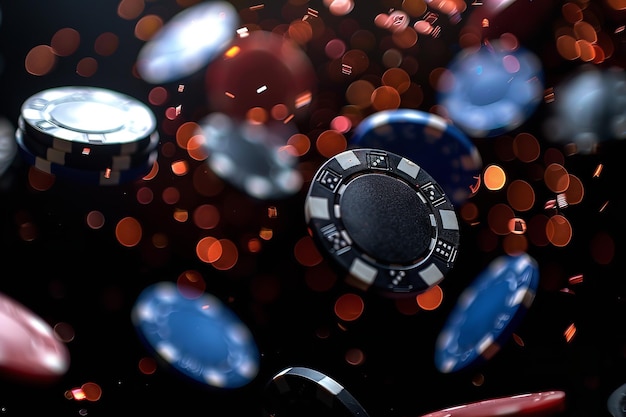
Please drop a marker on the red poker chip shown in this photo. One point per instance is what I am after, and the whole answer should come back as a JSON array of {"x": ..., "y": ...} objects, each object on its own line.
[
  {"x": 537, "y": 404},
  {"x": 29, "y": 351},
  {"x": 260, "y": 70}
]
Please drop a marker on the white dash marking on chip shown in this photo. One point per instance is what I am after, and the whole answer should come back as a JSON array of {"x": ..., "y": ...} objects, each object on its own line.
[
  {"x": 449, "y": 220},
  {"x": 317, "y": 208},
  {"x": 347, "y": 159},
  {"x": 409, "y": 167},
  {"x": 431, "y": 275},
  {"x": 363, "y": 271}
]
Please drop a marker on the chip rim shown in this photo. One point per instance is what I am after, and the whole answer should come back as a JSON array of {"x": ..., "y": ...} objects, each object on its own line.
[
  {"x": 540, "y": 403},
  {"x": 325, "y": 386},
  {"x": 615, "y": 401},
  {"x": 85, "y": 176},
  {"x": 469, "y": 159},
  {"x": 90, "y": 161}
]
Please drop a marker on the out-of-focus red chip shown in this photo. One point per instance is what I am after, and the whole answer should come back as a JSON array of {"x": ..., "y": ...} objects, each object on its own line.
[
  {"x": 537, "y": 404},
  {"x": 29, "y": 350},
  {"x": 260, "y": 70}
]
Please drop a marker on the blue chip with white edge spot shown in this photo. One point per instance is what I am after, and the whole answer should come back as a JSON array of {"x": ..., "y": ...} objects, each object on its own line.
[
  {"x": 487, "y": 313},
  {"x": 197, "y": 334}
]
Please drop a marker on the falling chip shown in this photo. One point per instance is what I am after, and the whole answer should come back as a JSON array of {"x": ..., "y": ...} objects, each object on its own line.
[
  {"x": 252, "y": 156},
  {"x": 189, "y": 41}
]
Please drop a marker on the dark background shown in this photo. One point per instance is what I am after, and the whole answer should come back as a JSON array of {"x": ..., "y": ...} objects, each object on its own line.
[{"x": 84, "y": 277}]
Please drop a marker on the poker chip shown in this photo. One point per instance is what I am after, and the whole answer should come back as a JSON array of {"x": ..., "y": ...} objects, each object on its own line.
[
  {"x": 86, "y": 176},
  {"x": 198, "y": 336},
  {"x": 86, "y": 160},
  {"x": 443, "y": 150},
  {"x": 251, "y": 156},
  {"x": 88, "y": 119},
  {"x": 616, "y": 403},
  {"x": 535, "y": 404},
  {"x": 487, "y": 312},
  {"x": 302, "y": 392},
  {"x": 590, "y": 109},
  {"x": 29, "y": 350},
  {"x": 384, "y": 220},
  {"x": 494, "y": 88},
  {"x": 8, "y": 147},
  {"x": 189, "y": 41},
  {"x": 261, "y": 69}
]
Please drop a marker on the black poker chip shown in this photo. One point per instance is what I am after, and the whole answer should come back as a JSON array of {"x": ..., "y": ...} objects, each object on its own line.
[
  {"x": 304, "y": 392},
  {"x": 384, "y": 220},
  {"x": 88, "y": 159},
  {"x": 96, "y": 177}
]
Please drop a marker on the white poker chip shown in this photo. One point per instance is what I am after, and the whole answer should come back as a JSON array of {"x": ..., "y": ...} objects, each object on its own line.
[
  {"x": 72, "y": 119},
  {"x": 188, "y": 42}
]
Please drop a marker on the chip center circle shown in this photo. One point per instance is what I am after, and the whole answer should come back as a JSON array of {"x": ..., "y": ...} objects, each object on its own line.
[
  {"x": 386, "y": 219},
  {"x": 88, "y": 117}
]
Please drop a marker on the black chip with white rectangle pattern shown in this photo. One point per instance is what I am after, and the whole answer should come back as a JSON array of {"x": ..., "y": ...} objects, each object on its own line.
[{"x": 384, "y": 220}]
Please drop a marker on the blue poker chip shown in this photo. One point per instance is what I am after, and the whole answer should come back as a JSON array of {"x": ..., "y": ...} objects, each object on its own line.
[
  {"x": 487, "y": 313},
  {"x": 200, "y": 337},
  {"x": 439, "y": 147},
  {"x": 96, "y": 177},
  {"x": 494, "y": 89},
  {"x": 616, "y": 403},
  {"x": 304, "y": 392},
  {"x": 188, "y": 42},
  {"x": 383, "y": 220}
]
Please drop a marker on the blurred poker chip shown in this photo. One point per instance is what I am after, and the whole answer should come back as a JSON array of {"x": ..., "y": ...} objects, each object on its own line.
[
  {"x": 197, "y": 335},
  {"x": 29, "y": 349},
  {"x": 260, "y": 69},
  {"x": 188, "y": 42},
  {"x": 8, "y": 146},
  {"x": 492, "y": 89},
  {"x": 251, "y": 156},
  {"x": 589, "y": 108},
  {"x": 487, "y": 313}
]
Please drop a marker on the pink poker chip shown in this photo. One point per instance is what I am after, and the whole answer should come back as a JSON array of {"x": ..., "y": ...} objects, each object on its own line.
[
  {"x": 537, "y": 404},
  {"x": 29, "y": 350}
]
